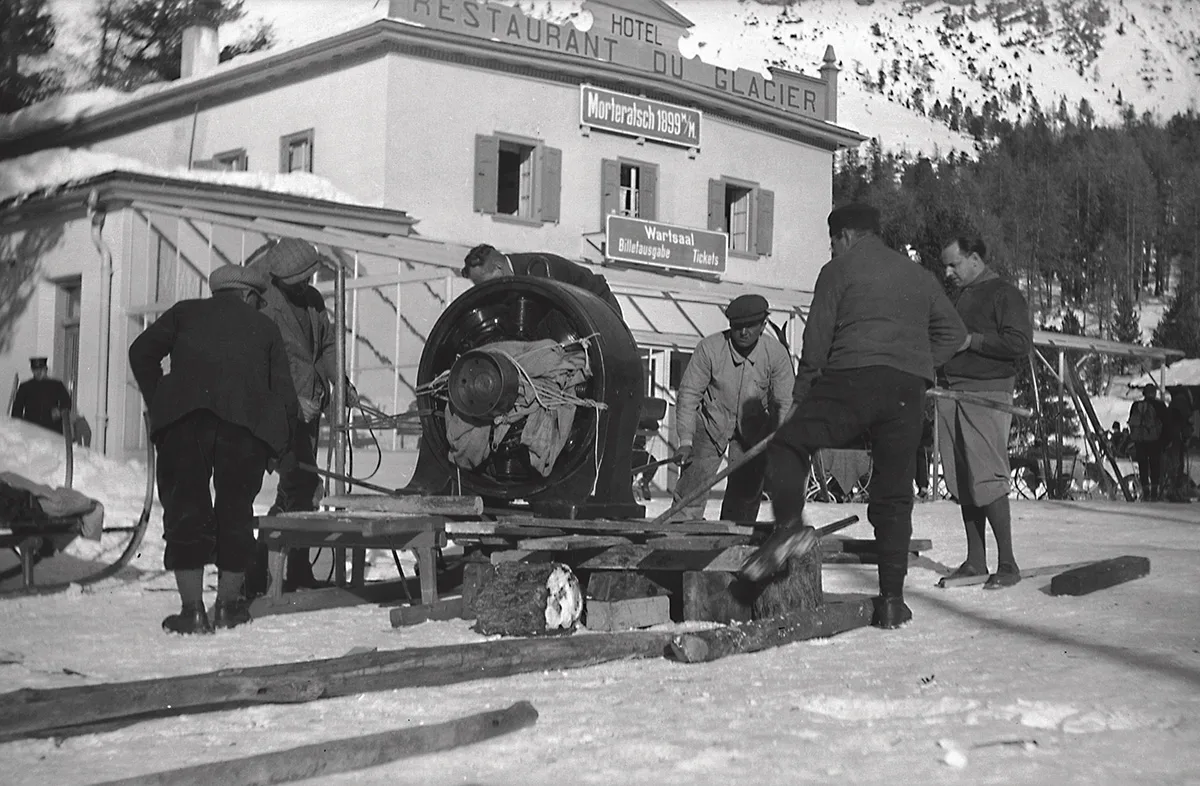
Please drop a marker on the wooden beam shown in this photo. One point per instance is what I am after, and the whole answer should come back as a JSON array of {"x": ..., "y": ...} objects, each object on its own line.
[
  {"x": 828, "y": 620},
  {"x": 41, "y": 713},
  {"x": 615, "y": 615},
  {"x": 570, "y": 542},
  {"x": 438, "y": 506},
  {"x": 638, "y": 557},
  {"x": 348, "y": 754},
  {"x": 634, "y": 526},
  {"x": 1099, "y": 575},
  {"x": 947, "y": 582}
]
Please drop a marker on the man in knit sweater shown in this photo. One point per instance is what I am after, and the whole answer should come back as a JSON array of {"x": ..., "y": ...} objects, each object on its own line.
[
  {"x": 973, "y": 438},
  {"x": 878, "y": 327}
]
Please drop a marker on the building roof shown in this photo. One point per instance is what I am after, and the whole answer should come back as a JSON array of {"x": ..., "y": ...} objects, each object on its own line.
[
  {"x": 82, "y": 118},
  {"x": 650, "y": 9}
]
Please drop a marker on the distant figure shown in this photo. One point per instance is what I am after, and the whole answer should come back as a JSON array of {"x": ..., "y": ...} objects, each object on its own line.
[
  {"x": 42, "y": 400},
  {"x": 1117, "y": 439},
  {"x": 484, "y": 263},
  {"x": 1175, "y": 442},
  {"x": 1147, "y": 431}
]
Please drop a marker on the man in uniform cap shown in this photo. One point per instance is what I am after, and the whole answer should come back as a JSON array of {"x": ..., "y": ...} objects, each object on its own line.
[
  {"x": 222, "y": 413},
  {"x": 735, "y": 389},
  {"x": 42, "y": 400},
  {"x": 484, "y": 263},
  {"x": 878, "y": 327}
]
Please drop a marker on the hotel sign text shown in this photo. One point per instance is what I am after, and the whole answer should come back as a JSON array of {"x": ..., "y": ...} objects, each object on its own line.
[
  {"x": 622, "y": 40},
  {"x": 640, "y": 117}
]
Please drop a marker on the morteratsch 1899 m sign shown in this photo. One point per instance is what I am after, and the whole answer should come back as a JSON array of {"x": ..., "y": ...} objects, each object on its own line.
[{"x": 626, "y": 114}]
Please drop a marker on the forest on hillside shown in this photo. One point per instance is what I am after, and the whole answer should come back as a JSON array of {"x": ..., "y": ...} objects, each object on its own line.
[{"x": 1089, "y": 221}]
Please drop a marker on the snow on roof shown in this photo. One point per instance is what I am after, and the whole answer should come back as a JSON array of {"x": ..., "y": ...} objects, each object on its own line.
[
  {"x": 60, "y": 166},
  {"x": 1181, "y": 372}
]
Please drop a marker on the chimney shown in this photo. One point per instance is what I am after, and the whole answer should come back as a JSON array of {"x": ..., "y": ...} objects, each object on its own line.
[
  {"x": 200, "y": 49},
  {"x": 829, "y": 74}
]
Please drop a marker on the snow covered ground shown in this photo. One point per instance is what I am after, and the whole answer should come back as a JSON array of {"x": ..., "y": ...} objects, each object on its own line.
[{"x": 1028, "y": 688}]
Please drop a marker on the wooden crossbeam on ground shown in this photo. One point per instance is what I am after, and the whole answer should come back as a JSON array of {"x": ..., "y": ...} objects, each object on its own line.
[
  {"x": 571, "y": 542},
  {"x": 829, "y": 619},
  {"x": 348, "y": 754},
  {"x": 947, "y": 582},
  {"x": 62, "y": 712},
  {"x": 1099, "y": 575},
  {"x": 636, "y": 526}
]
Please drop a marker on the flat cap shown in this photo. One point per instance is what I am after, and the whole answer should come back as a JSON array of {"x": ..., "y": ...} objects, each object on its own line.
[
  {"x": 747, "y": 310},
  {"x": 855, "y": 215},
  {"x": 289, "y": 258},
  {"x": 237, "y": 277},
  {"x": 37, "y": 363}
]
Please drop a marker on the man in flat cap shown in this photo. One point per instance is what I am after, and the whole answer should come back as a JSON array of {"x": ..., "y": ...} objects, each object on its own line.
[
  {"x": 225, "y": 409},
  {"x": 298, "y": 310},
  {"x": 484, "y": 263},
  {"x": 42, "y": 400},
  {"x": 878, "y": 327},
  {"x": 734, "y": 391}
]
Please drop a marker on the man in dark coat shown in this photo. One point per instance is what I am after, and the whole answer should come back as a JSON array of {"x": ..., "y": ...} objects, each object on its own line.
[
  {"x": 222, "y": 413},
  {"x": 484, "y": 263},
  {"x": 298, "y": 310},
  {"x": 1148, "y": 421},
  {"x": 973, "y": 439},
  {"x": 42, "y": 400},
  {"x": 878, "y": 327}
]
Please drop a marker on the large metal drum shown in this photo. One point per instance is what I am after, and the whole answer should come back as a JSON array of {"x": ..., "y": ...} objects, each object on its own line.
[{"x": 591, "y": 476}]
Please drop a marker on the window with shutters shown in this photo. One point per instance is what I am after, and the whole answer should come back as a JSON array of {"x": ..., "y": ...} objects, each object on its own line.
[
  {"x": 517, "y": 178},
  {"x": 744, "y": 210},
  {"x": 296, "y": 152},
  {"x": 628, "y": 188}
]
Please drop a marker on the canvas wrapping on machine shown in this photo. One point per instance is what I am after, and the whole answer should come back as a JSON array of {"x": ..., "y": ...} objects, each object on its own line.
[
  {"x": 548, "y": 363},
  {"x": 46, "y": 503}
]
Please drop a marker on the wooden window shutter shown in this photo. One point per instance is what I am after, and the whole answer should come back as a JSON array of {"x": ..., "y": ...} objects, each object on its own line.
[
  {"x": 716, "y": 206},
  {"x": 550, "y": 207},
  {"x": 765, "y": 219},
  {"x": 649, "y": 195},
  {"x": 487, "y": 173},
  {"x": 610, "y": 189}
]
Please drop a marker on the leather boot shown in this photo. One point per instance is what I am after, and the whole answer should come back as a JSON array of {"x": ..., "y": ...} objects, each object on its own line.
[
  {"x": 231, "y": 613},
  {"x": 1006, "y": 575},
  {"x": 964, "y": 570},
  {"x": 192, "y": 618},
  {"x": 890, "y": 612}
]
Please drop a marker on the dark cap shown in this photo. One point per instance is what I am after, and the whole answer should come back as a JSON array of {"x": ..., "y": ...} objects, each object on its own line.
[
  {"x": 855, "y": 215},
  {"x": 36, "y": 363},
  {"x": 747, "y": 310},
  {"x": 289, "y": 259},
  {"x": 237, "y": 277}
]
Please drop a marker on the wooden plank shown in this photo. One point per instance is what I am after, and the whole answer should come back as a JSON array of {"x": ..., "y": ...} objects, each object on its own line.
[
  {"x": 697, "y": 542},
  {"x": 348, "y": 754},
  {"x": 570, "y": 542},
  {"x": 1099, "y": 575},
  {"x": 616, "y": 615},
  {"x": 366, "y": 523},
  {"x": 632, "y": 526},
  {"x": 445, "y": 609},
  {"x": 828, "y": 620},
  {"x": 32, "y": 713},
  {"x": 441, "y": 506},
  {"x": 1028, "y": 573},
  {"x": 401, "y": 540},
  {"x": 465, "y": 529},
  {"x": 643, "y": 557}
]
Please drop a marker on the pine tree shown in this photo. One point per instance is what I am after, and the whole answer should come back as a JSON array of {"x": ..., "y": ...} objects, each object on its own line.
[
  {"x": 1179, "y": 327},
  {"x": 142, "y": 40},
  {"x": 26, "y": 30}
]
